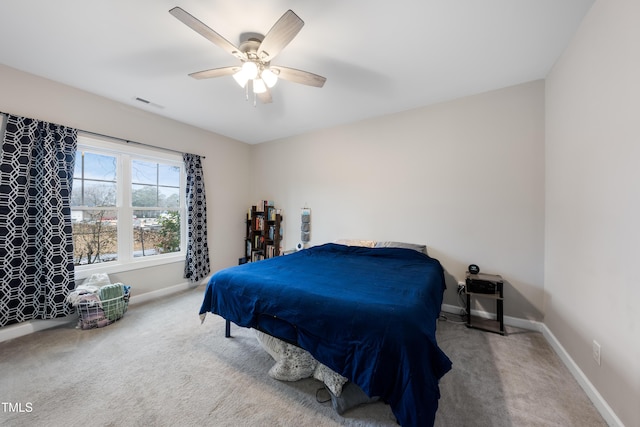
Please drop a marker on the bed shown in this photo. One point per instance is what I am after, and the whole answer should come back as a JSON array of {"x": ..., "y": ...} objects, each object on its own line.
[{"x": 368, "y": 314}]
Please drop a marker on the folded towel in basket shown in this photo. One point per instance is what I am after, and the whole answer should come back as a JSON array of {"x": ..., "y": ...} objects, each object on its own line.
[{"x": 113, "y": 303}]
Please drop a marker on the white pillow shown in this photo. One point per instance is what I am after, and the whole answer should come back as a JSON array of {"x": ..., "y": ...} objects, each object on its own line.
[
  {"x": 415, "y": 247},
  {"x": 355, "y": 242}
]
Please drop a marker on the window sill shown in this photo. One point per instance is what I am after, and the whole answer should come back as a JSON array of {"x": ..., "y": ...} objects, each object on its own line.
[{"x": 82, "y": 272}]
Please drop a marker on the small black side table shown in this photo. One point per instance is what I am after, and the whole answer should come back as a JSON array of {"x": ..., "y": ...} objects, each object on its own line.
[{"x": 488, "y": 286}]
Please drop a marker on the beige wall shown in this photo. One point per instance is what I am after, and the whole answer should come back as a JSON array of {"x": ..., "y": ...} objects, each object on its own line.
[
  {"x": 464, "y": 177},
  {"x": 225, "y": 167},
  {"x": 593, "y": 202}
]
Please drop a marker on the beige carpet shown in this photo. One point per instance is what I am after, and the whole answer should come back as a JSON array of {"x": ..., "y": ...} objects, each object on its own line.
[{"x": 159, "y": 366}]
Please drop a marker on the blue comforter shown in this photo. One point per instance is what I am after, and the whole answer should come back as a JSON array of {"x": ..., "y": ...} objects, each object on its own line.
[{"x": 367, "y": 313}]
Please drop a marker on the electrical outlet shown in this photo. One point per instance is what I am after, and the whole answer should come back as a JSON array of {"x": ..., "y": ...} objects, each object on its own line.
[
  {"x": 461, "y": 286},
  {"x": 596, "y": 352}
]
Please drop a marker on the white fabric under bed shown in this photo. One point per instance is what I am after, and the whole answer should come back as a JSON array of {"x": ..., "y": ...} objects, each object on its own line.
[{"x": 294, "y": 363}]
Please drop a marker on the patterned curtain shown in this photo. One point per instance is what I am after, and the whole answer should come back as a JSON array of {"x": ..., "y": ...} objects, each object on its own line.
[
  {"x": 197, "y": 264},
  {"x": 36, "y": 245}
]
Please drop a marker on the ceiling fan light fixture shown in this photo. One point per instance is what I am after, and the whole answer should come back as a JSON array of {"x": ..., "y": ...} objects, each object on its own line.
[
  {"x": 269, "y": 77},
  {"x": 241, "y": 78},
  {"x": 250, "y": 69},
  {"x": 259, "y": 86}
]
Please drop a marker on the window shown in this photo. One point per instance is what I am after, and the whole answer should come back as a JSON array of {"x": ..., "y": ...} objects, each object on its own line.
[{"x": 127, "y": 206}]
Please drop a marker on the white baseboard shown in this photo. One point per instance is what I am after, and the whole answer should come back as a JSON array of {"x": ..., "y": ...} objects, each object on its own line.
[
  {"x": 150, "y": 296},
  {"x": 25, "y": 328},
  {"x": 601, "y": 405},
  {"x": 516, "y": 322},
  {"x": 31, "y": 326}
]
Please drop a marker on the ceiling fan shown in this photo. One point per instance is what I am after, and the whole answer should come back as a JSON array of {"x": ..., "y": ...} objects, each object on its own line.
[{"x": 255, "y": 73}]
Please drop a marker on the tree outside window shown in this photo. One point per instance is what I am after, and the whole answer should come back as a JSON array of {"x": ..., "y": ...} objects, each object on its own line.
[{"x": 150, "y": 222}]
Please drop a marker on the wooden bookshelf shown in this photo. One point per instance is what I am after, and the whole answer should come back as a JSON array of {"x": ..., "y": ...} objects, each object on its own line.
[{"x": 263, "y": 232}]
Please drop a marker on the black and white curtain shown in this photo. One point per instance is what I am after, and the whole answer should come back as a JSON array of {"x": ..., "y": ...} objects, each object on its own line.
[
  {"x": 197, "y": 264},
  {"x": 36, "y": 244}
]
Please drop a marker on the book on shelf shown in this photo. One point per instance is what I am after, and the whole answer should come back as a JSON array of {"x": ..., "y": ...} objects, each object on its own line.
[
  {"x": 271, "y": 214},
  {"x": 257, "y": 256},
  {"x": 272, "y": 250},
  {"x": 258, "y": 223},
  {"x": 258, "y": 241},
  {"x": 260, "y": 206}
]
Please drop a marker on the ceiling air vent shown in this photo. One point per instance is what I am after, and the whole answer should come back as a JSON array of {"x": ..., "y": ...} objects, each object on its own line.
[{"x": 144, "y": 101}]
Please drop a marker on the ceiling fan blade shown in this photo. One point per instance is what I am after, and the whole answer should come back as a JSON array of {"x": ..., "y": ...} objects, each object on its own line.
[
  {"x": 206, "y": 32},
  {"x": 280, "y": 35},
  {"x": 299, "y": 76},
  {"x": 215, "y": 72}
]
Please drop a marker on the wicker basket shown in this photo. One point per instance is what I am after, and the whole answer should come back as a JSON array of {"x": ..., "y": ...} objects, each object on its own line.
[{"x": 94, "y": 313}]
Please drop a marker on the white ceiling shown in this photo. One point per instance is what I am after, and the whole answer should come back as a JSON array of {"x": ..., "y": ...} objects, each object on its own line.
[{"x": 379, "y": 57}]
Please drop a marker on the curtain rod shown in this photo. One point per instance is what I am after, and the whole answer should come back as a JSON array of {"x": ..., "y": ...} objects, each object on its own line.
[{"x": 127, "y": 141}]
